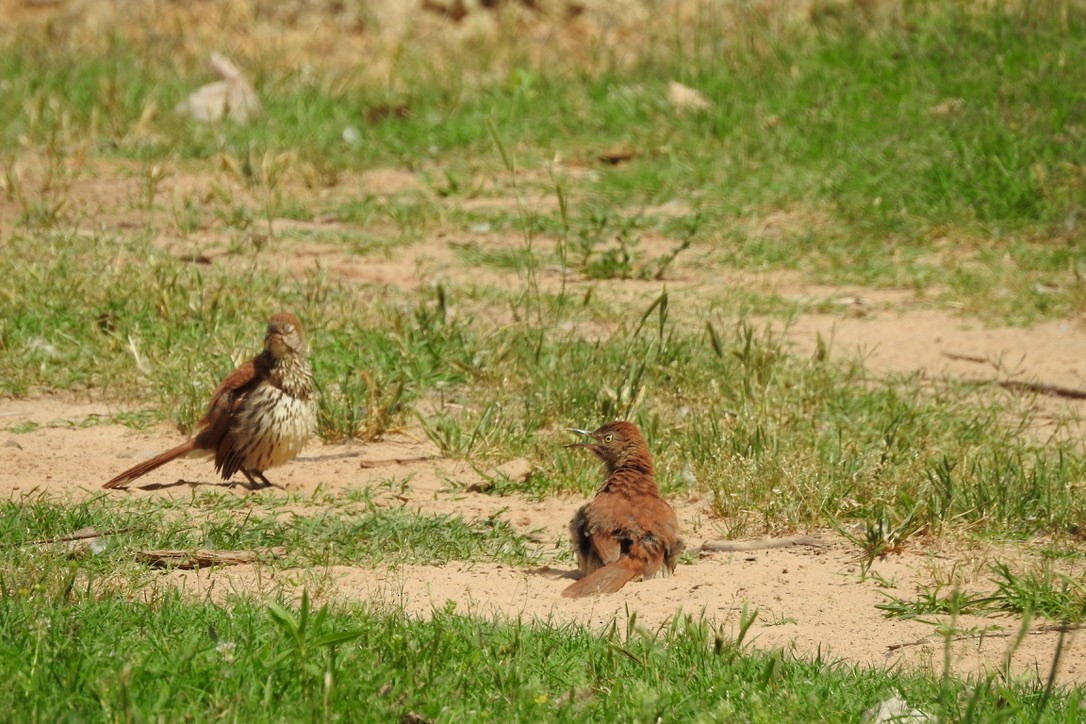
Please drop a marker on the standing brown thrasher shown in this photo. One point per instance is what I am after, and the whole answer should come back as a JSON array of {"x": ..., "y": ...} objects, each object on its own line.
[
  {"x": 260, "y": 416},
  {"x": 627, "y": 532}
]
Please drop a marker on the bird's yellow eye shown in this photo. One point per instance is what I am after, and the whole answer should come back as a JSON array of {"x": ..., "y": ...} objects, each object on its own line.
[{"x": 609, "y": 438}]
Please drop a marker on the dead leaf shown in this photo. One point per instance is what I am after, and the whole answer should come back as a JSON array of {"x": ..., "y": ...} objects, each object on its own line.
[
  {"x": 455, "y": 10},
  {"x": 947, "y": 107},
  {"x": 617, "y": 155},
  {"x": 382, "y": 111}
]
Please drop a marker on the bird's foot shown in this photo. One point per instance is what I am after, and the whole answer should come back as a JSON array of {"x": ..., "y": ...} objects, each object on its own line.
[{"x": 257, "y": 481}]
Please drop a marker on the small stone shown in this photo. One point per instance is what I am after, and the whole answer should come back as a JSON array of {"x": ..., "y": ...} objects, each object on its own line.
[
  {"x": 352, "y": 136},
  {"x": 685, "y": 98},
  {"x": 230, "y": 97},
  {"x": 895, "y": 709}
]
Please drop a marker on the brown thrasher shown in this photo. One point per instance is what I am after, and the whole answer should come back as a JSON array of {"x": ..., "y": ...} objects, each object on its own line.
[
  {"x": 260, "y": 416},
  {"x": 627, "y": 532}
]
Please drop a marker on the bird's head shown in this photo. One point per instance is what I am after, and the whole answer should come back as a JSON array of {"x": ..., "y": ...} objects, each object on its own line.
[
  {"x": 619, "y": 444},
  {"x": 284, "y": 336}
]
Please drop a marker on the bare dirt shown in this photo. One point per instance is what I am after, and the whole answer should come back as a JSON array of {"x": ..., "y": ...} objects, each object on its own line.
[{"x": 809, "y": 599}]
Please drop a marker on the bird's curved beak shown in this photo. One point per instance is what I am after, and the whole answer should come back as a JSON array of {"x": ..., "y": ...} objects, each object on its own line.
[{"x": 579, "y": 432}]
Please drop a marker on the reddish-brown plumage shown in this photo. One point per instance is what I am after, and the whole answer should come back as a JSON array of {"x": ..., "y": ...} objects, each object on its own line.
[
  {"x": 259, "y": 416},
  {"x": 627, "y": 532}
]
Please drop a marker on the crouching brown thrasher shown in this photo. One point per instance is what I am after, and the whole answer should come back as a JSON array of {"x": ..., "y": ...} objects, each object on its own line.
[
  {"x": 627, "y": 532},
  {"x": 260, "y": 416}
]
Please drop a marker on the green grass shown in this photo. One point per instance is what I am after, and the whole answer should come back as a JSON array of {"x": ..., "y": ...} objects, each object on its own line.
[
  {"x": 900, "y": 151},
  {"x": 337, "y": 533},
  {"x": 1033, "y": 590},
  {"x": 69, "y": 653}
]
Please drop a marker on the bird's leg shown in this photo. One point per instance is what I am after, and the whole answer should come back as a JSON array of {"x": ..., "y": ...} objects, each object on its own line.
[
  {"x": 253, "y": 484},
  {"x": 257, "y": 481}
]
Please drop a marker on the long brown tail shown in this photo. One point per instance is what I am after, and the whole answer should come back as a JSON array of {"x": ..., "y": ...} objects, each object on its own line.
[
  {"x": 148, "y": 465},
  {"x": 608, "y": 579}
]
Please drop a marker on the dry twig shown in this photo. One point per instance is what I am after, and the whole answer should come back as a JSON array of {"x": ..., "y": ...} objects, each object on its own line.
[
  {"x": 738, "y": 546},
  {"x": 1047, "y": 628},
  {"x": 205, "y": 558}
]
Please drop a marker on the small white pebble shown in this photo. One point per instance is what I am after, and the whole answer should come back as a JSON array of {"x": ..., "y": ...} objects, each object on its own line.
[{"x": 352, "y": 135}]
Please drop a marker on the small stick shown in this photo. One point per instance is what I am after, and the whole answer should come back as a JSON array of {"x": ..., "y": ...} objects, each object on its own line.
[
  {"x": 737, "y": 546},
  {"x": 1043, "y": 388},
  {"x": 964, "y": 357},
  {"x": 398, "y": 461},
  {"x": 205, "y": 557},
  {"x": 1048, "y": 628}
]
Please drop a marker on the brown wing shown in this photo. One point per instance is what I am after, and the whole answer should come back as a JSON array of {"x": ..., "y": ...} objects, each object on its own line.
[
  {"x": 606, "y": 546},
  {"x": 218, "y": 433},
  {"x": 597, "y": 531}
]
